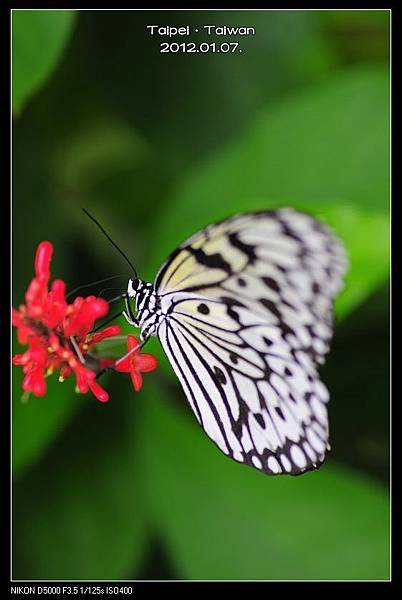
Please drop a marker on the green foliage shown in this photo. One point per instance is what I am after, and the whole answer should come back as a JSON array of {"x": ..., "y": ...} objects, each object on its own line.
[
  {"x": 156, "y": 147},
  {"x": 37, "y": 422},
  {"x": 39, "y": 38},
  {"x": 365, "y": 234},
  {"x": 86, "y": 504}
]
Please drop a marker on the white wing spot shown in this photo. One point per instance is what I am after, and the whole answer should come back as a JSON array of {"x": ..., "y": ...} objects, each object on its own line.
[
  {"x": 319, "y": 410},
  {"x": 321, "y": 431},
  {"x": 287, "y": 465},
  {"x": 256, "y": 462},
  {"x": 298, "y": 456},
  {"x": 319, "y": 346},
  {"x": 322, "y": 391},
  {"x": 310, "y": 452},
  {"x": 315, "y": 441},
  {"x": 273, "y": 465},
  {"x": 246, "y": 440}
]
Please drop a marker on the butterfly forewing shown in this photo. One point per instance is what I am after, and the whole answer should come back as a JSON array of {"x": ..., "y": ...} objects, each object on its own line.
[{"x": 248, "y": 305}]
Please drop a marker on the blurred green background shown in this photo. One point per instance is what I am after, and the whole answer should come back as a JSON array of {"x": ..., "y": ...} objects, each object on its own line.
[{"x": 157, "y": 146}]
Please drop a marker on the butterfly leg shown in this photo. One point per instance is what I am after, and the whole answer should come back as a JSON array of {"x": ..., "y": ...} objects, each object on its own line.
[
  {"x": 77, "y": 350},
  {"x": 134, "y": 322},
  {"x": 128, "y": 313},
  {"x": 144, "y": 341}
]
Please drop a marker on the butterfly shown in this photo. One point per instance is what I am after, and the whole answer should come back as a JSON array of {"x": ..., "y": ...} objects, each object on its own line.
[{"x": 244, "y": 312}]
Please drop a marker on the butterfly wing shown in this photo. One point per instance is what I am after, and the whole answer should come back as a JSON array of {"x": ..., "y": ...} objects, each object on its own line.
[{"x": 248, "y": 305}]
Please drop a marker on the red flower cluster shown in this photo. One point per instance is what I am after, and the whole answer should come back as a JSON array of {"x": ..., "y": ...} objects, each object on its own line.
[{"x": 59, "y": 336}]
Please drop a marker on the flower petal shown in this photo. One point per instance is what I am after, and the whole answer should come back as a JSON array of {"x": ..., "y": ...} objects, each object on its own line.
[
  {"x": 124, "y": 366},
  {"x": 98, "y": 391},
  {"x": 146, "y": 362},
  {"x": 132, "y": 343},
  {"x": 43, "y": 258},
  {"x": 34, "y": 382},
  {"x": 105, "y": 333},
  {"x": 85, "y": 313},
  {"x": 136, "y": 379}
]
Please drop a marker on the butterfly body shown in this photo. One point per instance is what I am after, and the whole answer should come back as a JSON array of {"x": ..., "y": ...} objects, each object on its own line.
[
  {"x": 243, "y": 310},
  {"x": 147, "y": 307}
]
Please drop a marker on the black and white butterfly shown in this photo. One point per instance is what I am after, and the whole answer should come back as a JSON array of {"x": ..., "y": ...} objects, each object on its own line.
[{"x": 243, "y": 310}]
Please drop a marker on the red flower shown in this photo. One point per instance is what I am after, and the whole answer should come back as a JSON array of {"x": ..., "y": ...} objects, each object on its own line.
[
  {"x": 136, "y": 363},
  {"x": 59, "y": 336}
]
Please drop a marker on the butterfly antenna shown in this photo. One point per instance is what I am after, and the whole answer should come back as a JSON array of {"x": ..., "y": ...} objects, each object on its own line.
[
  {"x": 111, "y": 241},
  {"x": 92, "y": 283},
  {"x": 109, "y": 320}
]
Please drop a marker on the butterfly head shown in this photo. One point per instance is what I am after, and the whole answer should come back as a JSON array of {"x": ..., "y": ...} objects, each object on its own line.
[{"x": 133, "y": 287}]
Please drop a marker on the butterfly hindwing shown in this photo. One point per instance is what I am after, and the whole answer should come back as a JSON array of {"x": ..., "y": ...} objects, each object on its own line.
[{"x": 248, "y": 305}]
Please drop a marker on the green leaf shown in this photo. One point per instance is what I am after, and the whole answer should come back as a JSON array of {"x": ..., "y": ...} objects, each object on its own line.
[
  {"x": 39, "y": 38},
  {"x": 80, "y": 512},
  {"x": 325, "y": 150},
  {"x": 221, "y": 520},
  {"x": 365, "y": 234}
]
